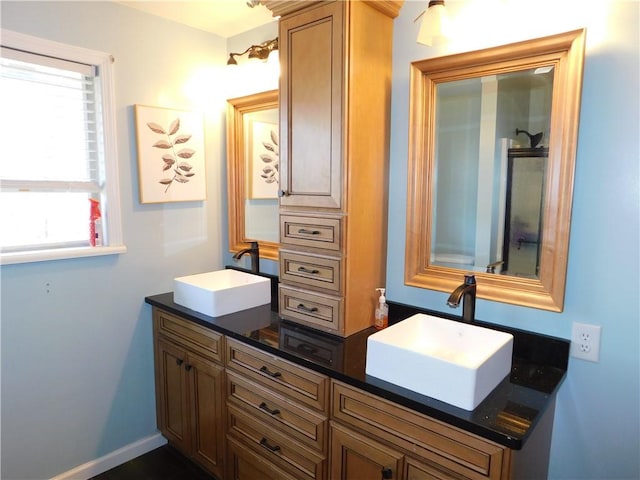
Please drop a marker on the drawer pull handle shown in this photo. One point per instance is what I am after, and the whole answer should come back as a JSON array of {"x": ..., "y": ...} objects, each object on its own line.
[
  {"x": 179, "y": 361},
  {"x": 265, "y": 443},
  {"x": 275, "y": 411},
  {"x": 304, "y": 308},
  {"x": 306, "y": 231},
  {"x": 387, "y": 473},
  {"x": 306, "y": 270},
  {"x": 188, "y": 367},
  {"x": 306, "y": 348},
  {"x": 283, "y": 193},
  {"x": 264, "y": 369}
]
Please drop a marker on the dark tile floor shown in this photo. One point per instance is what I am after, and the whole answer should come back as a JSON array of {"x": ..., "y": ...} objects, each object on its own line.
[{"x": 164, "y": 463}]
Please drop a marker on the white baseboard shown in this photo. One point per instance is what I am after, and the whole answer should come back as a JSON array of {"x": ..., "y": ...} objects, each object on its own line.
[{"x": 113, "y": 459}]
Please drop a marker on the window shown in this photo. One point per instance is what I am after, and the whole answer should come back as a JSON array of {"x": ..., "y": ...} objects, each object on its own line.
[{"x": 57, "y": 132}]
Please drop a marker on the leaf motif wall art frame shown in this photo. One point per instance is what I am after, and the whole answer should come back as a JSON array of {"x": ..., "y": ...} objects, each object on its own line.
[
  {"x": 171, "y": 161},
  {"x": 264, "y": 158}
]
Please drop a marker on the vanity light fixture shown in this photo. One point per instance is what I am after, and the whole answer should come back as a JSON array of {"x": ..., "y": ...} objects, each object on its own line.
[
  {"x": 261, "y": 51},
  {"x": 435, "y": 28}
]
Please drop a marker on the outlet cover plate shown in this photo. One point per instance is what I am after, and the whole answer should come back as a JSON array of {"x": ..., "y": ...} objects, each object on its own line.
[{"x": 585, "y": 341}]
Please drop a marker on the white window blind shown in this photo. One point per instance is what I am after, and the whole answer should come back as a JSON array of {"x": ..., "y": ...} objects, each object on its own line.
[{"x": 53, "y": 157}]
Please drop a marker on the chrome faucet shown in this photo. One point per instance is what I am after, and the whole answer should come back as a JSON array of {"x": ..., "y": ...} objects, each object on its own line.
[
  {"x": 254, "y": 251},
  {"x": 466, "y": 291}
]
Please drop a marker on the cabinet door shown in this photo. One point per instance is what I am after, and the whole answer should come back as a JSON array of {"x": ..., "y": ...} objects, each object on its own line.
[
  {"x": 205, "y": 386},
  {"x": 355, "y": 457},
  {"x": 173, "y": 414},
  {"x": 245, "y": 464},
  {"x": 417, "y": 470},
  {"x": 311, "y": 53}
]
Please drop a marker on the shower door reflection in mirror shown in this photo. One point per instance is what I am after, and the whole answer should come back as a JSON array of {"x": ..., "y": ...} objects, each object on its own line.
[{"x": 524, "y": 209}]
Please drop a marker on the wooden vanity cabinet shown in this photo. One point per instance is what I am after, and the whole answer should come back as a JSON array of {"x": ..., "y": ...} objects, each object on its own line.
[
  {"x": 277, "y": 417},
  {"x": 190, "y": 389},
  {"x": 243, "y": 413},
  {"x": 334, "y": 147}
]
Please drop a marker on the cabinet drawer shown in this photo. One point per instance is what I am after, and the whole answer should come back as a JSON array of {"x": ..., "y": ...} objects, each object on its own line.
[
  {"x": 312, "y": 232},
  {"x": 281, "y": 376},
  {"x": 316, "y": 346},
  {"x": 280, "y": 449},
  {"x": 189, "y": 334},
  {"x": 311, "y": 308},
  {"x": 301, "y": 424},
  {"x": 435, "y": 442},
  {"x": 310, "y": 270}
]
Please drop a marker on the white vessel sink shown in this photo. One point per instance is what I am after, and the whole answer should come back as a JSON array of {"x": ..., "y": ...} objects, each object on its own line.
[
  {"x": 221, "y": 292},
  {"x": 457, "y": 363}
]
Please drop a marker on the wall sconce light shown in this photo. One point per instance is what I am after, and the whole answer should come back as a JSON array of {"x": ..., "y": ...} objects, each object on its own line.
[
  {"x": 261, "y": 51},
  {"x": 435, "y": 28}
]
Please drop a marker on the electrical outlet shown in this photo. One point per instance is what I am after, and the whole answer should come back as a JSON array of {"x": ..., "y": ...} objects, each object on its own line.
[{"x": 585, "y": 342}]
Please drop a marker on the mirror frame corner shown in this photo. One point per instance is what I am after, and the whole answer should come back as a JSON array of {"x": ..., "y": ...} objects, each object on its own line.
[
  {"x": 236, "y": 170},
  {"x": 566, "y": 52}
]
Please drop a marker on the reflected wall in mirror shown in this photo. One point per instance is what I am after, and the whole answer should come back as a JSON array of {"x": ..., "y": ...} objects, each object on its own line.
[
  {"x": 253, "y": 172},
  {"x": 491, "y": 159}
]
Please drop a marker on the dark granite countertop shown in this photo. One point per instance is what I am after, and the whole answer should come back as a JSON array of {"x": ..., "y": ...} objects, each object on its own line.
[{"x": 507, "y": 416}]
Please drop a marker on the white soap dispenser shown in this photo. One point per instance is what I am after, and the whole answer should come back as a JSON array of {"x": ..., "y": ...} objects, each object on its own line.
[{"x": 382, "y": 311}]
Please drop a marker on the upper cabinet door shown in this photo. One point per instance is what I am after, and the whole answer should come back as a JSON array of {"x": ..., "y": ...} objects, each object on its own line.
[{"x": 311, "y": 110}]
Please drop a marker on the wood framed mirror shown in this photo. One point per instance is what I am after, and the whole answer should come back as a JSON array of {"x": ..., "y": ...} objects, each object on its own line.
[
  {"x": 492, "y": 148},
  {"x": 253, "y": 172}
]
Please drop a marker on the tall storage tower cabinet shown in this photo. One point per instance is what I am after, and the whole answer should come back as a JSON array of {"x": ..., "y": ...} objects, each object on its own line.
[{"x": 335, "y": 83}]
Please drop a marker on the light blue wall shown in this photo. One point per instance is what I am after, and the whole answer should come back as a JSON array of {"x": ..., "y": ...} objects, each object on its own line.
[
  {"x": 77, "y": 361},
  {"x": 77, "y": 373},
  {"x": 596, "y": 429}
]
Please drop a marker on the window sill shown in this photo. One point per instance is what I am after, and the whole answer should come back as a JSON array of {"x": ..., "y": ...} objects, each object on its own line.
[{"x": 59, "y": 254}]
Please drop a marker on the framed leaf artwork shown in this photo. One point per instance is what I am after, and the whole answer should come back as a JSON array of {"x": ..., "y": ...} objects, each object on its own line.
[
  {"x": 264, "y": 155},
  {"x": 171, "y": 166}
]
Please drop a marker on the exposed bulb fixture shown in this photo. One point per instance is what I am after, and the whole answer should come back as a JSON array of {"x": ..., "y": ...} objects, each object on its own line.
[
  {"x": 260, "y": 51},
  {"x": 435, "y": 28}
]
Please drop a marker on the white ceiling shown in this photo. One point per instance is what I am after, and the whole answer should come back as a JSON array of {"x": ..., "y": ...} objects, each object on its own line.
[{"x": 225, "y": 18}]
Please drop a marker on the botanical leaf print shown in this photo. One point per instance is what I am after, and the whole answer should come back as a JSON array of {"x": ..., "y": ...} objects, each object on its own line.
[
  {"x": 268, "y": 146},
  {"x": 184, "y": 166},
  {"x": 162, "y": 144},
  {"x": 186, "y": 153},
  {"x": 182, "y": 170},
  {"x": 155, "y": 127},
  {"x": 271, "y": 160},
  {"x": 174, "y": 127}
]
